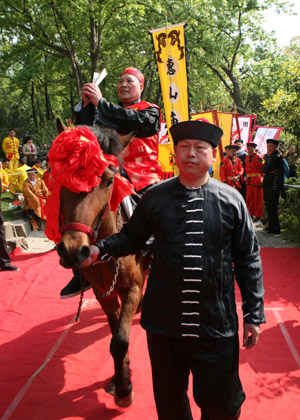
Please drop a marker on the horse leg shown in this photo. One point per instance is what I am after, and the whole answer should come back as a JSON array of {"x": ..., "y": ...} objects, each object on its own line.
[
  {"x": 111, "y": 307},
  {"x": 119, "y": 347}
]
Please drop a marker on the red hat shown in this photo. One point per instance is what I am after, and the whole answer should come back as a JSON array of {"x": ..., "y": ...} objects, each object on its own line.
[{"x": 135, "y": 72}]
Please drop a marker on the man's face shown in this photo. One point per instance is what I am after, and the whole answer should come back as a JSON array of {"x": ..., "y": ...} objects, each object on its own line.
[
  {"x": 271, "y": 148},
  {"x": 12, "y": 133},
  {"x": 193, "y": 157},
  {"x": 251, "y": 150},
  {"x": 5, "y": 165},
  {"x": 32, "y": 176},
  {"x": 232, "y": 152},
  {"x": 291, "y": 149},
  {"x": 129, "y": 89},
  {"x": 239, "y": 144}
]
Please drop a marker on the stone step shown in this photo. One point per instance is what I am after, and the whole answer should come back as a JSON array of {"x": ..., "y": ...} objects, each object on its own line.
[{"x": 19, "y": 228}]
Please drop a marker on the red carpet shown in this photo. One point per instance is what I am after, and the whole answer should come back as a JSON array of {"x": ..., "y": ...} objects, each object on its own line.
[{"x": 53, "y": 368}]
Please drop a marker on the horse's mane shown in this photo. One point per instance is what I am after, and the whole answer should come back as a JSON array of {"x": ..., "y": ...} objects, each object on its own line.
[{"x": 109, "y": 140}]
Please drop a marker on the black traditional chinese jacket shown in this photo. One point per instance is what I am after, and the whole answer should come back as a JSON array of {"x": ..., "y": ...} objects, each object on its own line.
[
  {"x": 204, "y": 238},
  {"x": 273, "y": 172}
]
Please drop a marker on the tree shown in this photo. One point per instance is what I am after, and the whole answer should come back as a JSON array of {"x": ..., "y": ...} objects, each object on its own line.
[{"x": 283, "y": 107}]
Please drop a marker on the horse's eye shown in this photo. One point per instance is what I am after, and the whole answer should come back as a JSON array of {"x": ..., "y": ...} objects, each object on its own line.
[{"x": 109, "y": 182}]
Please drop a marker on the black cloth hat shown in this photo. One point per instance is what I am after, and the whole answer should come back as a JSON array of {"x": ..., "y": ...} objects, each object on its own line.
[
  {"x": 252, "y": 144},
  {"x": 233, "y": 146},
  {"x": 198, "y": 130},
  {"x": 32, "y": 170},
  {"x": 273, "y": 141},
  {"x": 238, "y": 141}
]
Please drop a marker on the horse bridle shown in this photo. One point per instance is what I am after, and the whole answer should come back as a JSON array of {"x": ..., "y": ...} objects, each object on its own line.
[{"x": 80, "y": 227}]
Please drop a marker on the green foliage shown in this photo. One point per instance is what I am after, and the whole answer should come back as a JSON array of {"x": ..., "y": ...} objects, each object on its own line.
[
  {"x": 282, "y": 108},
  {"x": 6, "y": 200},
  {"x": 289, "y": 212},
  {"x": 48, "y": 49}
]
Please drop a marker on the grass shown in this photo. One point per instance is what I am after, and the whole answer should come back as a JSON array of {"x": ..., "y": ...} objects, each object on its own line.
[{"x": 8, "y": 215}]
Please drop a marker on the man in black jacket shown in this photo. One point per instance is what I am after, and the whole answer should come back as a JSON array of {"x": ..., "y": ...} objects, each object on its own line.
[
  {"x": 203, "y": 240},
  {"x": 272, "y": 184},
  {"x": 5, "y": 263}
]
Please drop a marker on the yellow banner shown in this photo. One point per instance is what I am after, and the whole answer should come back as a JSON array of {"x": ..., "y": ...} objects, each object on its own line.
[
  {"x": 169, "y": 46},
  {"x": 224, "y": 121},
  {"x": 165, "y": 158}
]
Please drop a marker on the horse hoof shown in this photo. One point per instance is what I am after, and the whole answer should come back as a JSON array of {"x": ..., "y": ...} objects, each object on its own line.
[
  {"x": 124, "y": 402},
  {"x": 111, "y": 387}
]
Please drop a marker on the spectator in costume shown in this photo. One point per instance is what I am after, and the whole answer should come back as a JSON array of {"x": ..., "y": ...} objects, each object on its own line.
[
  {"x": 203, "y": 240},
  {"x": 292, "y": 160},
  {"x": 5, "y": 166},
  {"x": 35, "y": 193},
  {"x": 16, "y": 180},
  {"x": 48, "y": 178},
  {"x": 272, "y": 184},
  {"x": 254, "y": 192},
  {"x": 38, "y": 166},
  {"x": 241, "y": 154},
  {"x": 29, "y": 150},
  {"x": 10, "y": 147},
  {"x": 5, "y": 262},
  {"x": 140, "y": 159},
  {"x": 231, "y": 168},
  {"x": 4, "y": 179}
]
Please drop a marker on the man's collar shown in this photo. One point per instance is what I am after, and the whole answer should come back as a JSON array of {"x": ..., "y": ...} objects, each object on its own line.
[{"x": 135, "y": 102}]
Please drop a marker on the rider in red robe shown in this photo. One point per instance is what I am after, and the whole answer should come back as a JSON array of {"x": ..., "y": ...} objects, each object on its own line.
[
  {"x": 130, "y": 115},
  {"x": 139, "y": 159}
]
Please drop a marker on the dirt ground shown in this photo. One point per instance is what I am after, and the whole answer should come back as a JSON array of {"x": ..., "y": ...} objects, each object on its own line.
[{"x": 273, "y": 241}]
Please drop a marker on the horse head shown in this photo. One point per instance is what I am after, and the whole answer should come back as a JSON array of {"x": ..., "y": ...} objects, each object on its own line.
[{"x": 86, "y": 215}]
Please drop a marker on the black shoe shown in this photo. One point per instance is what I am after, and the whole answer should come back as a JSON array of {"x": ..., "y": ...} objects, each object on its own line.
[
  {"x": 9, "y": 268},
  {"x": 73, "y": 288},
  {"x": 274, "y": 231}
]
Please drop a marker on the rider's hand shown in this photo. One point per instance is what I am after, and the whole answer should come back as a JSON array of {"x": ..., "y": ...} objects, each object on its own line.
[{"x": 91, "y": 94}]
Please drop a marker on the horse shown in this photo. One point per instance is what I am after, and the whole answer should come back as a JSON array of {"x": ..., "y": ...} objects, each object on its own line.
[{"x": 117, "y": 284}]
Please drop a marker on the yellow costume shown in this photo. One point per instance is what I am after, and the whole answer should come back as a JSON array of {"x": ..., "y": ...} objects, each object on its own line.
[
  {"x": 10, "y": 147},
  {"x": 34, "y": 200},
  {"x": 40, "y": 172},
  {"x": 17, "y": 179},
  {"x": 4, "y": 179}
]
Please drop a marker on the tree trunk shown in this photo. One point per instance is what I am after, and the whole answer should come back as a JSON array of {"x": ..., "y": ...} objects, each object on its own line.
[
  {"x": 49, "y": 113},
  {"x": 32, "y": 94}
]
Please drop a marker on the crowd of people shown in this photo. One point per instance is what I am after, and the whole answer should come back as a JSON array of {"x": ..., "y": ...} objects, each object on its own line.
[
  {"x": 201, "y": 229},
  {"x": 259, "y": 178},
  {"x": 22, "y": 175}
]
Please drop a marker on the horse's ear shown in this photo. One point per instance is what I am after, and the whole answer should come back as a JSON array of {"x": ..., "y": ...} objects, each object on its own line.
[
  {"x": 60, "y": 126},
  {"x": 127, "y": 139}
]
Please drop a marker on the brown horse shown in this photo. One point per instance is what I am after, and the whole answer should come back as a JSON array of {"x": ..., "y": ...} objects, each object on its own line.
[{"x": 117, "y": 284}]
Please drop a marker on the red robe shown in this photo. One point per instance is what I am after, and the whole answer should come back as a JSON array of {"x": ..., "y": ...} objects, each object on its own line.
[
  {"x": 254, "y": 192},
  {"x": 140, "y": 158},
  {"x": 230, "y": 168}
]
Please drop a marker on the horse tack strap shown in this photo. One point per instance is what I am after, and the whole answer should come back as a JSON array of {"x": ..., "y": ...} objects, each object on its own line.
[{"x": 80, "y": 228}]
